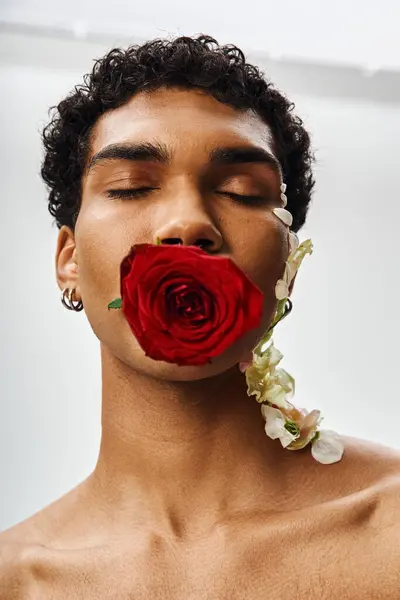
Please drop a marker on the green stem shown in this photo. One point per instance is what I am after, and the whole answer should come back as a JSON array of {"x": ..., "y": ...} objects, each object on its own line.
[{"x": 280, "y": 311}]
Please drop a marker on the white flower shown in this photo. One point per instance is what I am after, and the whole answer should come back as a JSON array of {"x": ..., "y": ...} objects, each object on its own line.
[
  {"x": 273, "y": 387},
  {"x": 270, "y": 358},
  {"x": 282, "y": 286},
  {"x": 328, "y": 448},
  {"x": 307, "y": 423},
  {"x": 284, "y": 215},
  {"x": 281, "y": 290},
  {"x": 268, "y": 383},
  {"x": 275, "y": 425},
  {"x": 293, "y": 241},
  {"x": 291, "y": 267},
  {"x": 278, "y": 387},
  {"x": 283, "y": 195},
  {"x": 296, "y": 258}
]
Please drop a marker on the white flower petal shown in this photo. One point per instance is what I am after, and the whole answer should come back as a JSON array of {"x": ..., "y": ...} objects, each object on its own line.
[
  {"x": 294, "y": 241},
  {"x": 275, "y": 425},
  {"x": 271, "y": 413},
  {"x": 281, "y": 290},
  {"x": 284, "y": 215},
  {"x": 273, "y": 429},
  {"x": 291, "y": 270},
  {"x": 275, "y": 356},
  {"x": 286, "y": 437},
  {"x": 275, "y": 394},
  {"x": 287, "y": 274},
  {"x": 285, "y": 380},
  {"x": 328, "y": 448}
]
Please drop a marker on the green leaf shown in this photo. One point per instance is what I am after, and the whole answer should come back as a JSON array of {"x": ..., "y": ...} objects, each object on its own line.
[
  {"x": 158, "y": 241},
  {"x": 117, "y": 303}
]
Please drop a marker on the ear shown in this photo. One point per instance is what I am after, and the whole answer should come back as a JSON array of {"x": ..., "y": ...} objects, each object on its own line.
[{"x": 66, "y": 261}]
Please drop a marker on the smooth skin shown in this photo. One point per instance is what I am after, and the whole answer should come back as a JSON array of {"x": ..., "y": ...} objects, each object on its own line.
[{"x": 189, "y": 498}]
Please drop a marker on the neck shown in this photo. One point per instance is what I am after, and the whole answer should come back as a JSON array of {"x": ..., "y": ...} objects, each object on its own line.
[{"x": 182, "y": 457}]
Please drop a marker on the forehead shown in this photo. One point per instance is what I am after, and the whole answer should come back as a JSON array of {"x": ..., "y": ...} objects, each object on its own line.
[{"x": 180, "y": 118}]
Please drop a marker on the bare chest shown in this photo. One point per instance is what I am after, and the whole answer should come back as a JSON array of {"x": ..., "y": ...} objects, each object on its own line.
[{"x": 298, "y": 560}]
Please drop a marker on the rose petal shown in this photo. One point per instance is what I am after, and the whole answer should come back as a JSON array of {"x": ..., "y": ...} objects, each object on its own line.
[{"x": 180, "y": 302}]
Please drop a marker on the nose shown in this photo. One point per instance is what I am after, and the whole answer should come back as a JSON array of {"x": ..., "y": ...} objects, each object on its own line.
[{"x": 194, "y": 231}]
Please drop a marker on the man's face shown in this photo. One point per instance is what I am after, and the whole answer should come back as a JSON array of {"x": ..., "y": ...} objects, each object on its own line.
[{"x": 188, "y": 196}]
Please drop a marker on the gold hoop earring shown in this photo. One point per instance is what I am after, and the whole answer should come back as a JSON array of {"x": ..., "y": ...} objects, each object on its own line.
[{"x": 69, "y": 301}]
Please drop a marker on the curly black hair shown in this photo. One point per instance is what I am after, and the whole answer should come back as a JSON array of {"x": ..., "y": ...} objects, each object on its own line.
[{"x": 185, "y": 62}]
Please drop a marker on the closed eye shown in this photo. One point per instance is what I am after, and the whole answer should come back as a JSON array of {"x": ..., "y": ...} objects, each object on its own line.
[
  {"x": 245, "y": 199},
  {"x": 144, "y": 191},
  {"x": 129, "y": 192}
]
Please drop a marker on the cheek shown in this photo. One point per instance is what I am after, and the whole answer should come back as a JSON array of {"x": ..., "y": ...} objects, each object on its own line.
[
  {"x": 104, "y": 235},
  {"x": 99, "y": 248},
  {"x": 263, "y": 253}
]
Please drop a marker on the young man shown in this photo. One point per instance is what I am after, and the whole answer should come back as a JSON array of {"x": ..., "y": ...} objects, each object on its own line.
[{"x": 182, "y": 142}]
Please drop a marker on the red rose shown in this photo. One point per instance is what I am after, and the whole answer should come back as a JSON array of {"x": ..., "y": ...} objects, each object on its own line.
[{"x": 185, "y": 306}]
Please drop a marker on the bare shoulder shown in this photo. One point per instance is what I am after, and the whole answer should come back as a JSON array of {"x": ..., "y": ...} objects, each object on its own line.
[
  {"x": 367, "y": 481},
  {"x": 370, "y": 483},
  {"x": 15, "y": 553},
  {"x": 23, "y": 545},
  {"x": 367, "y": 465},
  {"x": 367, "y": 468}
]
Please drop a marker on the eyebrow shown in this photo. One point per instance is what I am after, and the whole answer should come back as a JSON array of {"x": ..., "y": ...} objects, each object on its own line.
[
  {"x": 146, "y": 151},
  {"x": 245, "y": 154},
  {"x": 159, "y": 153}
]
